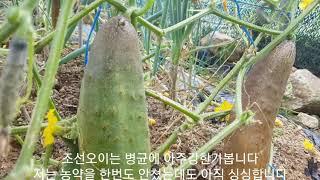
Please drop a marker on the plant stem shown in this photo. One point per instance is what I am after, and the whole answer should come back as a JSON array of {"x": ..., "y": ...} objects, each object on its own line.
[
  {"x": 244, "y": 23},
  {"x": 39, "y": 83},
  {"x": 4, "y": 51},
  {"x": 47, "y": 156},
  {"x": 144, "y": 9},
  {"x": 212, "y": 143},
  {"x": 173, "y": 104},
  {"x": 29, "y": 5},
  {"x": 154, "y": 17},
  {"x": 158, "y": 31},
  {"x": 210, "y": 115},
  {"x": 132, "y": 3},
  {"x": 145, "y": 58},
  {"x": 232, "y": 19},
  {"x": 188, "y": 21},
  {"x": 22, "y": 168},
  {"x": 73, "y": 55},
  {"x": 162, "y": 24},
  {"x": 145, "y": 23},
  {"x": 239, "y": 83},
  {"x": 30, "y": 69},
  {"x": 18, "y": 14},
  {"x": 24, "y": 129},
  {"x": 7, "y": 29},
  {"x": 50, "y": 161},
  {"x": 54, "y": 162},
  {"x": 19, "y": 139}
]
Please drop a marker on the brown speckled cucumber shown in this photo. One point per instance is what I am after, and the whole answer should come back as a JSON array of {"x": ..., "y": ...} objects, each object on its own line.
[
  {"x": 262, "y": 92},
  {"x": 112, "y": 115}
]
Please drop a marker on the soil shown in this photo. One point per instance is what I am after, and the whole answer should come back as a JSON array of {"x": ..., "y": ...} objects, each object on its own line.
[{"x": 289, "y": 153}]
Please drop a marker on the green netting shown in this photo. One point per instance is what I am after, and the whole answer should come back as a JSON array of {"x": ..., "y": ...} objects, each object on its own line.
[
  {"x": 308, "y": 43},
  {"x": 307, "y": 34}
]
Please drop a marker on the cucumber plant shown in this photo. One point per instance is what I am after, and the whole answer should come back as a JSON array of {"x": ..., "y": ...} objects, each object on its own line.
[{"x": 112, "y": 114}]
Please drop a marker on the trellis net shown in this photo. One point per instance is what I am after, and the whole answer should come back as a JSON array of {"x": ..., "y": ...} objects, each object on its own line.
[
  {"x": 308, "y": 43},
  {"x": 307, "y": 34}
]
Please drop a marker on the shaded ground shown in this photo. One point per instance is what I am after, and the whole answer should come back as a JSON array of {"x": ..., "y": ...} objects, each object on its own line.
[{"x": 289, "y": 153}]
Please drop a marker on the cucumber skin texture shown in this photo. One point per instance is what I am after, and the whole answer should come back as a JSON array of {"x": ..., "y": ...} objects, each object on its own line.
[
  {"x": 262, "y": 93},
  {"x": 112, "y": 115}
]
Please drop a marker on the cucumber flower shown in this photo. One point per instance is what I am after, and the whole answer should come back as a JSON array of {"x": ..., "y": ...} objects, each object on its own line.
[
  {"x": 225, "y": 106},
  {"x": 49, "y": 131},
  {"x": 304, "y": 4}
]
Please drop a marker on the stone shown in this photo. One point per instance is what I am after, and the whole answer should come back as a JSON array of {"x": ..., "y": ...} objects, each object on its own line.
[
  {"x": 303, "y": 92},
  {"x": 221, "y": 38},
  {"x": 216, "y": 38},
  {"x": 307, "y": 120}
]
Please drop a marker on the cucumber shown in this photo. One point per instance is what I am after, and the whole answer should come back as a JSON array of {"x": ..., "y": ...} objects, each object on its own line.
[
  {"x": 112, "y": 114},
  {"x": 262, "y": 92},
  {"x": 10, "y": 83}
]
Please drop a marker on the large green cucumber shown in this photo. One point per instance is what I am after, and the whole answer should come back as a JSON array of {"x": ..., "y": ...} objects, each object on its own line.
[{"x": 112, "y": 115}]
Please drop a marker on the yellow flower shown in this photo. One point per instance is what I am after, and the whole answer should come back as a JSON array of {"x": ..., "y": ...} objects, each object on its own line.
[
  {"x": 49, "y": 131},
  {"x": 308, "y": 145},
  {"x": 52, "y": 118},
  {"x": 278, "y": 123},
  {"x": 167, "y": 154},
  {"x": 304, "y": 4},
  {"x": 48, "y": 137},
  {"x": 224, "y": 106},
  {"x": 152, "y": 122}
]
